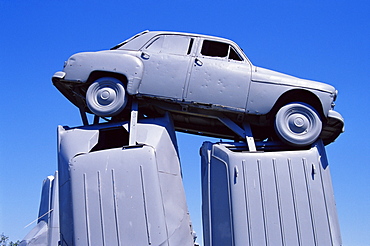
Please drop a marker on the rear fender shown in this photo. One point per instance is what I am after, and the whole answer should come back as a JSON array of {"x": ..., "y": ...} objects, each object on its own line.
[{"x": 81, "y": 65}]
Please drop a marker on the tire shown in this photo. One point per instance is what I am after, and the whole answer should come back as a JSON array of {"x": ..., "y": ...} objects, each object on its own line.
[
  {"x": 106, "y": 97},
  {"x": 298, "y": 124}
]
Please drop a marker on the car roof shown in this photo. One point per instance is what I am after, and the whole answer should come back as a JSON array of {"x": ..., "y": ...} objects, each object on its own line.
[
  {"x": 154, "y": 33},
  {"x": 137, "y": 41}
]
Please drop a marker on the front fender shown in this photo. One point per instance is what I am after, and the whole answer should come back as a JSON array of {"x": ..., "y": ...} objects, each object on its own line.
[{"x": 263, "y": 96}]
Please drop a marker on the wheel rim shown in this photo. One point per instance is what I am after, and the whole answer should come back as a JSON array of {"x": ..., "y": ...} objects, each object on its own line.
[
  {"x": 298, "y": 124},
  {"x": 106, "y": 97}
]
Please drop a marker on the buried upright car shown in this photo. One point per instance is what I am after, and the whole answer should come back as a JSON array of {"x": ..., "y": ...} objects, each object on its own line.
[{"x": 202, "y": 80}]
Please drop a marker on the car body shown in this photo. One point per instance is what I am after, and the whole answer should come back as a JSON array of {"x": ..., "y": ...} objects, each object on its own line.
[{"x": 197, "y": 78}]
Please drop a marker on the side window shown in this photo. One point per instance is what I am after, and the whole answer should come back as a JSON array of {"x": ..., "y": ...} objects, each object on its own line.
[
  {"x": 171, "y": 44},
  {"x": 215, "y": 49},
  {"x": 219, "y": 49}
]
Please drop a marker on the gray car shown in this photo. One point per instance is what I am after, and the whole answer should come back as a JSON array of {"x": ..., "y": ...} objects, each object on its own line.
[{"x": 203, "y": 81}]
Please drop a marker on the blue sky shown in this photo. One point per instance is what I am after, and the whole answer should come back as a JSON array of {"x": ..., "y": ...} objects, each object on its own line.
[{"x": 327, "y": 41}]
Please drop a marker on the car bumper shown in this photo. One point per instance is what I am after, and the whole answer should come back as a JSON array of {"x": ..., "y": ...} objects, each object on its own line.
[
  {"x": 70, "y": 89},
  {"x": 333, "y": 128},
  {"x": 59, "y": 75}
]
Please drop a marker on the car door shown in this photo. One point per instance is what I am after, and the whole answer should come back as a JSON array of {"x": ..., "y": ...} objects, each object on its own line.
[
  {"x": 166, "y": 61},
  {"x": 220, "y": 75}
]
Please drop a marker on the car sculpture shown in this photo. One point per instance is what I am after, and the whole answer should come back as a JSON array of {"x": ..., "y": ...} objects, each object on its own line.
[{"x": 200, "y": 79}]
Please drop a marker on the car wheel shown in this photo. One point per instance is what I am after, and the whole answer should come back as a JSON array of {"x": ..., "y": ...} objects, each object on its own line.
[
  {"x": 298, "y": 124},
  {"x": 106, "y": 97}
]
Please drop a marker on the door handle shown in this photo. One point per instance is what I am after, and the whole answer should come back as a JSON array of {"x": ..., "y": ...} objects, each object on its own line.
[
  {"x": 198, "y": 62},
  {"x": 145, "y": 56}
]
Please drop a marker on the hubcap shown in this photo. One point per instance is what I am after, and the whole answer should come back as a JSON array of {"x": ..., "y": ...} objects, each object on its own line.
[
  {"x": 298, "y": 123},
  {"x": 106, "y": 96}
]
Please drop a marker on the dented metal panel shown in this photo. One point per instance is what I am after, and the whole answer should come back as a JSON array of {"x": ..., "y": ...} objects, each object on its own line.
[
  {"x": 267, "y": 198},
  {"x": 191, "y": 70},
  {"x": 115, "y": 194},
  {"x": 166, "y": 60},
  {"x": 117, "y": 198},
  {"x": 219, "y": 82}
]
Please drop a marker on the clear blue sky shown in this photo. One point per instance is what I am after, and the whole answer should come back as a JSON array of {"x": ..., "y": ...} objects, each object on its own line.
[{"x": 327, "y": 41}]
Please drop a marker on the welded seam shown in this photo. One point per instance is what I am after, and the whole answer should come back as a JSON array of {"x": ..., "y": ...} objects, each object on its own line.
[
  {"x": 101, "y": 209},
  {"x": 277, "y": 188},
  {"x": 263, "y": 202},
  {"x": 312, "y": 210},
  {"x": 247, "y": 203},
  {"x": 145, "y": 205},
  {"x": 294, "y": 202},
  {"x": 86, "y": 209},
  {"x": 115, "y": 209}
]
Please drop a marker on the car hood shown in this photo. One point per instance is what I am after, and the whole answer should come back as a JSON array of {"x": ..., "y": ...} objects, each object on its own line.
[{"x": 268, "y": 76}]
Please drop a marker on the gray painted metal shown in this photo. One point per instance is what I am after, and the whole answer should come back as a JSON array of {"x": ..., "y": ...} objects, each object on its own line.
[
  {"x": 46, "y": 231},
  {"x": 267, "y": 198},
  {"x": 204, "y": 72},
  {"x": 122, "y": 194},
  {"x": 133, "y": 124}
]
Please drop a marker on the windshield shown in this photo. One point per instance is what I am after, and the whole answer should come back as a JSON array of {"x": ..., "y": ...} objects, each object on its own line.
[{"x": 128, "y": 40}]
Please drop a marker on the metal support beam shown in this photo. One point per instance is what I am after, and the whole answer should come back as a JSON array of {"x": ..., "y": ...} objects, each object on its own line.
[
  {"x": 245, "y": 133},
  {"x": 96, "y": 119},
  {"x": 231, "y": 125},
  {"x": 249, "y": 137},
  {"x": 85, "y": 122},
  {"x": 133, "y": 123}
]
